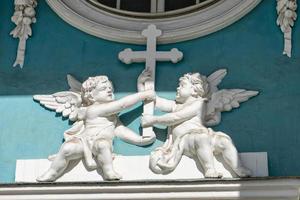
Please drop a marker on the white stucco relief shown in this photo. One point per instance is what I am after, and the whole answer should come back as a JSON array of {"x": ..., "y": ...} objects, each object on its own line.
[
  {"x": 91, "y": 105},
  {"x": 23, "y": 17},
  {"x": 286, "y": 10},
  {"x": 198, "y": 105}
]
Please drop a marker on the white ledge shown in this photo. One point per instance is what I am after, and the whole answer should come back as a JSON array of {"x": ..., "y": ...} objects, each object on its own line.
[{"x": 250, "y": 189}]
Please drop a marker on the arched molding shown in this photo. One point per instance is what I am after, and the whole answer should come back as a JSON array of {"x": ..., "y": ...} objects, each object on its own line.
[{"x": 110, "y": 26}]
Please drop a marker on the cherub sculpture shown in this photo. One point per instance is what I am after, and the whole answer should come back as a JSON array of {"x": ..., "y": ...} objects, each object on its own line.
[
  {"x": 92, "y": 107},
  {"x": 198, "y": 104}
]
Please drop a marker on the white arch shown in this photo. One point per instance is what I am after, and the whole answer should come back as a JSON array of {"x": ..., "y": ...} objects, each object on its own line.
[{"x": 111, "y": 26}]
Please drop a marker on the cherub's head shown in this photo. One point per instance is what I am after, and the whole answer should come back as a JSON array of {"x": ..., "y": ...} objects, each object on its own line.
[
  {"x": 97, "y": 89},
  {"x": 191, "y": 85}
]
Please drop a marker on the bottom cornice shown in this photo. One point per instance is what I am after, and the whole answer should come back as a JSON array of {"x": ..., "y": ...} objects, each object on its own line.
[{"x": 251, "y": 188}]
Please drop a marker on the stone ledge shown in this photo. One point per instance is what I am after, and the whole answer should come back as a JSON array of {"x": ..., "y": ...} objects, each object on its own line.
[{"x": 274, "y": 188}]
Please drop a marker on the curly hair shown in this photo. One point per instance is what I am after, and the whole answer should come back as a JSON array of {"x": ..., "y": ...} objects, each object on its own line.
[
  {"x": 199, "y": 82},
  {"x": 89, "y": 85}
]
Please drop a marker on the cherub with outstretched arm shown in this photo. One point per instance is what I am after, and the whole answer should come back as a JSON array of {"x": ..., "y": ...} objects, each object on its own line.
[
  {"x": 198, "y": 104},
  {"x": 95, "y": 112}
]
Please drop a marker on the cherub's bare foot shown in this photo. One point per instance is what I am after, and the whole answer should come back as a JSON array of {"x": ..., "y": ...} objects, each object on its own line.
[
  {"x": 52, "y": 157},
  {"x": 212, "y": 173},
  {"x": 164, "y": 165},
  {"x": 111, "y": 175},
  {"x": 48, "y": 176},
  {"x": 242, "y": 172}
]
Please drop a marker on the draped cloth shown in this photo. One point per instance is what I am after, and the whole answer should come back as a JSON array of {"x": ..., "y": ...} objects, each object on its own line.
[
  {"x": 78, "y": 130},
  {"x": 171, "y": 152}
]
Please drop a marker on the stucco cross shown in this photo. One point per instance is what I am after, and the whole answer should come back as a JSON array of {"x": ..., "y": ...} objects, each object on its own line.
[{"x": 150, "y": 56}]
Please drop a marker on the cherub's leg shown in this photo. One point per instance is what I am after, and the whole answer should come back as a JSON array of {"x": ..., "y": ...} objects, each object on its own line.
[
  {"x": 103, "y": 151},
  {"x": 205, "y": 154},
  {"x": 230, "y": 155},
  {"x": 70, "y": 150}
]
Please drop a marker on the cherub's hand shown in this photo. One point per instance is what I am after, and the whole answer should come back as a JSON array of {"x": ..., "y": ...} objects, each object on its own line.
[
  {"x": 147, "y": 120},
  {"x": 150, "y": 95},
  {"x": 143, "y": 77},
  {"x": 146, "y": 140}
]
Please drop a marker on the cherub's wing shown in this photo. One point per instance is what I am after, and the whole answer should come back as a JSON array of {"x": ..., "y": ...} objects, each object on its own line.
[
  {"x": 67, "y": 103},
  {"x": 225, "y": 100},
  {"x": 75, "y": 85},
  {"x": 215, "y": 79}
]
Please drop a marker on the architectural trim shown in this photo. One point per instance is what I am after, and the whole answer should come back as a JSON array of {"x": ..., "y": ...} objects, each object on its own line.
[
  {"x": 110, "y": 26},
  {"x": 234, "y": 189},
  {"x": 286, "y": 10},
  {"x": 23, "y": 17}
]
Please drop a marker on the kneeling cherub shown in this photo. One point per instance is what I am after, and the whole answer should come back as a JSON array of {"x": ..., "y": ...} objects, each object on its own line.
[
  {"x": 95, "y": 111},
  {"x": 198, "y": 104}
]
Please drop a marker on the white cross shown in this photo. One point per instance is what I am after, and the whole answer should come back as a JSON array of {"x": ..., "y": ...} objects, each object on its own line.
[{"x": 150, "y": 56}]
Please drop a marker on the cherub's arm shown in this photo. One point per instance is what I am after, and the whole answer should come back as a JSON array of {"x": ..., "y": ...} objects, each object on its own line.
[
  {"x": 129, "y": 136},
  {"x": 174, "y": 118},
  {"x": 123, "y": 103},
  {"x": 164, "y": 105}
]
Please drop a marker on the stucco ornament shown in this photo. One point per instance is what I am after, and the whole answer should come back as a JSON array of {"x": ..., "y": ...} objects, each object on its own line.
[
  {"x": 198, "y": 105},
  {"x": 286, "y": 10},
  {"x": 23, "y": 17},
  {"x": 91, "y": 105}
]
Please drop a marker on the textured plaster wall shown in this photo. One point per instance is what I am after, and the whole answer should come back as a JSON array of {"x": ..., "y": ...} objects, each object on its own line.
[{"x": 250, "y": 49}]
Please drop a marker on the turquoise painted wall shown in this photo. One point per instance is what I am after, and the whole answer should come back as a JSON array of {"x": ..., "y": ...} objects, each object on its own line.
[{"x": 250, "y": 49}]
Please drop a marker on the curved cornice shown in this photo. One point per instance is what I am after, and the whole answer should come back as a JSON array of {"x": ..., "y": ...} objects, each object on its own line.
[{"x": 103, "y": 24}]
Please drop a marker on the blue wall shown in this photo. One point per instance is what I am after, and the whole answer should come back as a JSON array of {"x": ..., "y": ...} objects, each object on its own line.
[{"x": 250, "y": 49}]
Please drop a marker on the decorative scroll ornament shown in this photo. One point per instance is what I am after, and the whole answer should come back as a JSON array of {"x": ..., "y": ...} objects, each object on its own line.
[
  {"x": 286, "y": 10},
  {"x": 23, "y": 17}
]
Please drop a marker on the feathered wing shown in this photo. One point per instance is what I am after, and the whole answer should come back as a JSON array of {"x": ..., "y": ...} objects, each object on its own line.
[
  {"x": 75, "y": 85},
  {"x": 68, "y": 103},
  {"x": 223, "y": 100},
  {"x": 215, "y": 79}
]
